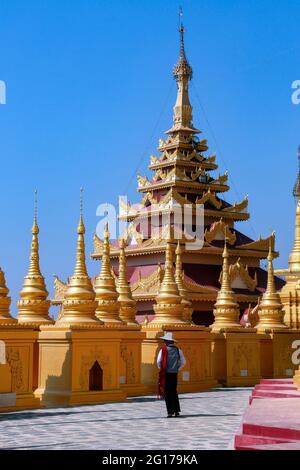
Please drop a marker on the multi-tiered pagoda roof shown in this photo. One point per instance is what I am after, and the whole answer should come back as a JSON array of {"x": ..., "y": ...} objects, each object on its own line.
[{"x": 184, "y": 175}]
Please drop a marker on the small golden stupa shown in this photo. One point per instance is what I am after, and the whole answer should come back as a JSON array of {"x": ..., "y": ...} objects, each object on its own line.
[
  {"x": 179, "y": 277},
  {"x": 290, "y": 293},
  {"x": 105, "y": 287},
  {"x": 79, "y": 303},
  {"x": 33, "y": 307},
  {"x": 125, "y": 299},
  {"x": 226, "y": 309},
  {"x": 168, "y": 308},
  {"x": 270, "y": 309}
]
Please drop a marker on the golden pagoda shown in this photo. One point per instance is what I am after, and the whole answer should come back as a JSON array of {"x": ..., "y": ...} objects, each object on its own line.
[
  {"x": 79, "y": 303},
  {"x": 226, "y": 310},
  {"x": 179, "y": 277},
  {"x": 105, "y": 288},
  {"x": 290, "y": 293},
  {"x": 5, "y": 302},
  {"x": 169, "y": 306},
  {"x": 86, "y": 367},
  {"x": 182, "y": 177},
  {"x": 235, "y": 350},
  {"x": 126, "y": 302},
  {"x": 270, "y": 309},
  {"x": 33, "y": 307}
]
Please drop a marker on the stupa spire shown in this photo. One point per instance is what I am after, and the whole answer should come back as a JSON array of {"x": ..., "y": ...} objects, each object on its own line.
[
  {"x": 33, "y": 307},
  {"x": 179, "y": 277},
  {"x": 294, "y": 258},
  {"x": 105, "y": 287},
  {"x": 5, "y": 301},
  {"x": 127, "y": 303},
  {"x": 169, "y": 308},
  {"x": 270, "y": 308},
  {"x": 79, "y": 303},
  {"x": 226, "y": 309},
  {"x": 182, "y": 73}
]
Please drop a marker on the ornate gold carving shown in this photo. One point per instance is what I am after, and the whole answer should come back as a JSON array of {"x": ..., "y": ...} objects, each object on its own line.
[
  {"x": 222, "y": 179},
  {"x": 13, "y": 358},
  {"x": 128, "y": 358},
  {"x": 209, "y": 196},
  {"x": 60, "y": 289},
  {"x": 237, "y": 207},
  {"x": 243, "y": 360},
  {"x": 143, "y": 181},
  {"x": 87, "y": 362},
  {"x": 238, "y": 270},
  {"x": 218, "y": 227},
  {"x": 150, "y": 283},
  {"x": 262, "y": 244}
]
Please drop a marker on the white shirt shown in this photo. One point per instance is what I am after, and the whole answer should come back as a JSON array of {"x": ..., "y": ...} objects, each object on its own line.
[{"x": 181, "y": 359}]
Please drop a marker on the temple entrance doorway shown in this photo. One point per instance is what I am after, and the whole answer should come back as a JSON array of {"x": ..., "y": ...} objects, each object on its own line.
[{"x": 96, "y": 377}]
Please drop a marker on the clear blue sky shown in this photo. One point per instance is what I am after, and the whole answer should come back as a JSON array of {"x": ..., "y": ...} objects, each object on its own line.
[{"x": 90, "y": 91}]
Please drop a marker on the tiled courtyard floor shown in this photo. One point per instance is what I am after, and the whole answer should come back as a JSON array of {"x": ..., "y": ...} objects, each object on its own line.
[{"x": 209, "y": 421}]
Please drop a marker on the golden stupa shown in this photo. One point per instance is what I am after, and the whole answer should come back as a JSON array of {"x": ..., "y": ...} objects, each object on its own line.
[
  {"x": 105, "y": 287},
  {"x": 169, "y": 307},
  {"x": 226, "y": 310},
  {"x": 33, "y": 307},
  {"x": 179, "y": 277},
  {"x": 79, "y": 303},
  {"x": 125, "y": 299},
  {"x": 270, "y": 309}
]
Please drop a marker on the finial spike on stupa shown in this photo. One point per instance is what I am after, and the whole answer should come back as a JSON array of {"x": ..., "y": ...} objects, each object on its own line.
[
  {"x": 35, "y": 227},
  {"x": 81, "y": 227},
  {"x": 182, "y": 68}
]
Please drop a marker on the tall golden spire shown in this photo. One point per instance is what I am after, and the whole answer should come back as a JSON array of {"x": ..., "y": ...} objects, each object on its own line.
[
  {"x": 182, "y": 73},
  {"x": 168, "y": 308},
  {"x": 5, "y": 301},
  {"x": 179, "y": 277},
  {"x": 105, "y": 287},
  {"x": 270, "y": 308},
  {"x": 294, "y": 258},
  {"x": 226, "y": 310},
  {"x": 127, "y": 303},
  {"x": 79, "y": 303},
  {"x": 33, "y": 307}
]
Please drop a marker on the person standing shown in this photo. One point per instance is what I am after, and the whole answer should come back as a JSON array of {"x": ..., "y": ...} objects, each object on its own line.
[{"x": 170, "y": 360}]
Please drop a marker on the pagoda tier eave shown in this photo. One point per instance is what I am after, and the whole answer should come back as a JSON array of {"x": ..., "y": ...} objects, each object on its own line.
[
  {"x": 187, "y": 164},
  {"x": 202, "y": 297},
  {"x": 238, "y": 217},
  {"x": 185, "y": 185},
  {"x": 210, "y": 250},
  {"x": 180, "y": 128}
]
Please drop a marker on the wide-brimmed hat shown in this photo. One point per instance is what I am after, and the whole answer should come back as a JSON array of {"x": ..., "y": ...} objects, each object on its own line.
[{"x": 168, "y": 337}]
